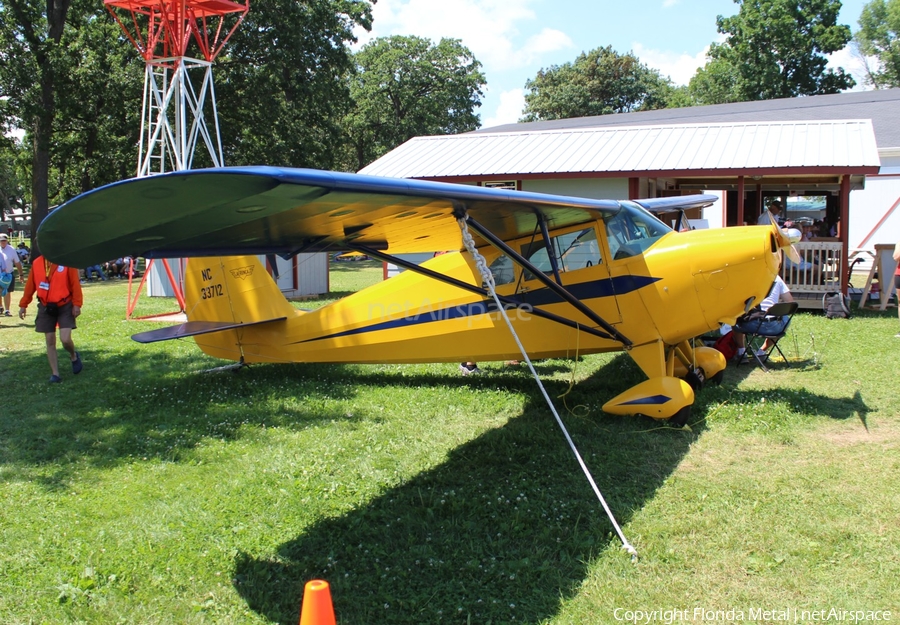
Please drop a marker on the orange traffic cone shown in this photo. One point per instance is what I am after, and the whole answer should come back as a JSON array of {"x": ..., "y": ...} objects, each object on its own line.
[{"x": 317, "y": 608}]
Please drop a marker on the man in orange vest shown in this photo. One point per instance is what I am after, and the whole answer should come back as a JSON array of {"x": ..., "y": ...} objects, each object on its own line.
[{"x": 60, "y": 298}]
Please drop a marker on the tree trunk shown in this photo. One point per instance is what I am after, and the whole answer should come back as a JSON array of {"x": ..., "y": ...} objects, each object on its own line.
[
  {"x": 43, "y": 128},
  {"x": 43, "y": 119}
]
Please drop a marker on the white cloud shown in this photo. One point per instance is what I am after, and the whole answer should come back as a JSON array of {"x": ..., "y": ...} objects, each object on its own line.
[
  {"x": 670, "y": 3},
  {"x": 854, "y": 63},
  {"x": 489, "y": 28},
  {"x": 680, "y": 67},
  {"x": 508, "y": 111},
  {"x": 548, "y": 40}
]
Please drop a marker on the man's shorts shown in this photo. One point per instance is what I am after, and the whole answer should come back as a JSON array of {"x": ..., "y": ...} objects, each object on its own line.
[
  {"x": 769, "y": 327},
  {"x": 46, "y": 323}
]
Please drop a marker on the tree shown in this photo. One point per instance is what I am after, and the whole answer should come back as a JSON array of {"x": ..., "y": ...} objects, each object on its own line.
[
  {"x": 31, "y": 53},
  {"x": 879, "y": 36},
  {"x": 281, "y": 82},
  {"x": 12, "y": 176},
  {"x": 715, "y": 83},
  {"x": 72, "y": 82},
  {"x": 599, "y": 82},
  {"x": 407, "y": 86},
  {"x": 95, "y": 131},
  {"x": 679, "y": 97},
  {"x": 775, "y": 49}
]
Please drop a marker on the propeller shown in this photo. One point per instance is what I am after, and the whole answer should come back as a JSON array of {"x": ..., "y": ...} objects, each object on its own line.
[{"x": 786, "y": 239}]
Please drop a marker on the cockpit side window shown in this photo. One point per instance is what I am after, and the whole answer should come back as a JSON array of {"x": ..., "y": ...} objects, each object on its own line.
[
  {"x": 574, "y": 250},
  {"x": 503, "y": 270},
  {"x": 579, "y": 251},
  {"x": 632, "y": 230}
]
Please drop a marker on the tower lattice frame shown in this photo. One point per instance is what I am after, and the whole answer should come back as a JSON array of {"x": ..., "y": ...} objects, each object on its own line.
[{"x": 179, "y": 40}]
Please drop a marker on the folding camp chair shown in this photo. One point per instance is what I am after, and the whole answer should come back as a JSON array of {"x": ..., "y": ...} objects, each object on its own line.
[{"x": 772, "y": 327}]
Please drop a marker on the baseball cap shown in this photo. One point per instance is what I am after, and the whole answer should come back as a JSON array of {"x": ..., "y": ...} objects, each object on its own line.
[{"x": 3, "y": 237}]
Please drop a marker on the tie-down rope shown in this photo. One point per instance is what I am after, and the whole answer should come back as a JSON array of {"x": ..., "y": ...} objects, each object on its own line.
[{"x": 488, "y": 279}]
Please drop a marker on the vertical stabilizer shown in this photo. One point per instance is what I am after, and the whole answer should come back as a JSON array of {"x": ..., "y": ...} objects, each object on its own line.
[{"x": 235, "y": 289}]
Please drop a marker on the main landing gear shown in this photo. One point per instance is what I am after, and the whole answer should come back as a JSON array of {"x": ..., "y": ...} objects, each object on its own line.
[
  {"x": 680, "y": 419},
  {"x": 696, "y": 380}
]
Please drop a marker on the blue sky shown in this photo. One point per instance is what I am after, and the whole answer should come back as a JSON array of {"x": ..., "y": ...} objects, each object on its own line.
[{"x": 513, "y": 39}]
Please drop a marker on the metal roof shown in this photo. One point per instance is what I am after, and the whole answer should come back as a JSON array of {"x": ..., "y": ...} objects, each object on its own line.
[
  {"x": 700, "y": 149},
  {"x": 882, "y": 106}
]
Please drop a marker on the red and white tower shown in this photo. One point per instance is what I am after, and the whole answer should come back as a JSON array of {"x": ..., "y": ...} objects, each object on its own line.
[
  {"x": 177, "y": 87},
  {"x": 178, "y": 90}
]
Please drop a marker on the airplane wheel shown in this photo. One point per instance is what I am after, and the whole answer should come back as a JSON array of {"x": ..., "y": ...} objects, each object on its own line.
[
  {"x": 694, "y": 381},
  {"x": 717, "y": 379},
  {"x": 680, "y": 418}
]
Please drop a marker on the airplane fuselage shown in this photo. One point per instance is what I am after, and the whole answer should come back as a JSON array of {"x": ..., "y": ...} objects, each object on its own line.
[{"x": 682, "y": 285}]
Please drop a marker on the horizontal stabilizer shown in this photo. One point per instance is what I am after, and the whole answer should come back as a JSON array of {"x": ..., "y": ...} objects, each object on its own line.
[{"x": 193, "y": 328}]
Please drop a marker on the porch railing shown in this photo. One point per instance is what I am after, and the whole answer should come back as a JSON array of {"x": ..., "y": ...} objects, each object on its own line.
[{"x": 817, "y": 273}]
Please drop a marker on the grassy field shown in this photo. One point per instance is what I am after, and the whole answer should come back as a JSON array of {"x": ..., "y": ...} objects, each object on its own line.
[{"x": 149, "y": 491}]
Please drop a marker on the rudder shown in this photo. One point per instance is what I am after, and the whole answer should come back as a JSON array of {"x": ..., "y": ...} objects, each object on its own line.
[{"x": 235, "y": 289}]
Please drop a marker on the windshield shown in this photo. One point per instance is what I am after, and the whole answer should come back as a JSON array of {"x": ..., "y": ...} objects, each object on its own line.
[{"x": 632, "y": 230}]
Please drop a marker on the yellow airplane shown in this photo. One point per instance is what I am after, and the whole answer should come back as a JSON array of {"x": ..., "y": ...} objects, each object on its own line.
[{"x": 574, "y": 275}]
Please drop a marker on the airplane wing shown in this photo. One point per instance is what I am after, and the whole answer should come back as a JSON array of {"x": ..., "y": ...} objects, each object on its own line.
[{"x": 268, "y": 210}]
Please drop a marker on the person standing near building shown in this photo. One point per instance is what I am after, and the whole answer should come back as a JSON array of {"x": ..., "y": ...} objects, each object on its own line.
[
  {"x": 9, "y": 260},
  {"x": 60, "y": 298},
  {"x": 771, "y": 214}
]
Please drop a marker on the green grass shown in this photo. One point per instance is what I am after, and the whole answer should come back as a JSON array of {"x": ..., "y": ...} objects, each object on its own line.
[{"x": 148, "y": 491}]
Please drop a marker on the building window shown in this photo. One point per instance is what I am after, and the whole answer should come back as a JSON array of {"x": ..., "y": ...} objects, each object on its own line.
[{"x": 509, "y": 185}]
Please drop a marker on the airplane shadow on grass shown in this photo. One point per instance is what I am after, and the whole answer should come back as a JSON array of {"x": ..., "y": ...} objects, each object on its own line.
[
  {"x": 502, "y": 531},
  {"x": 838, "y": 408},
  {"x": 796, "y": 358}
]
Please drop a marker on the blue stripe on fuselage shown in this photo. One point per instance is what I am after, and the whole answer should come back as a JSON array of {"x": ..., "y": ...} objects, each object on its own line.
[
  {"x": 583, "y": 291},
  {"x": 643, "y": 401}
]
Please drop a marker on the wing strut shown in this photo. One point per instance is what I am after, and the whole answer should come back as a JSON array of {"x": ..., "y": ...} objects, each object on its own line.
[
  {"x": 550, "y": 284},
  {"x": 508, "y": 301},
  {"x": 481, "y": 264}
]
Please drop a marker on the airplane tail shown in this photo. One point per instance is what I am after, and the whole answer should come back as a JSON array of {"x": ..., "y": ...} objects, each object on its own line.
[
  {"x": 233, "y": 289},
  {"x": 224, "y": 296}
]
